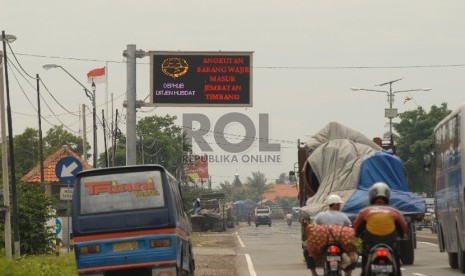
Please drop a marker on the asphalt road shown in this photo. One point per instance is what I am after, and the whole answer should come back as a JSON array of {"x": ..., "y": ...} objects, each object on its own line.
[{"x": 276, "y": 250}]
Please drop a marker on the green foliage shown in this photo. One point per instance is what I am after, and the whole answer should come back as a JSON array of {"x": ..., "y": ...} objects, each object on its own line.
[
  {"x": 34, "y": 211},
  {"x": 120, "y": 153},
  {"x": 43, "y": 265},
  {"x": 256, "y": 185},
  {"x": 233, "y": 193},
  {"x": 161, "y": 141},
  {"x": 26, "y": 151},
  {"x": 27, "y": 147},
  {"x": 287, "y": 202},
  {"x": 283, "y": 178},
  {"x": 415, "y": 130},
  {"x": 57, "y": 137}
]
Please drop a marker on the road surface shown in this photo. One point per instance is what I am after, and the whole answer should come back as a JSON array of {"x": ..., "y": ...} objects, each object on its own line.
[{"x": 276, "y": 251}]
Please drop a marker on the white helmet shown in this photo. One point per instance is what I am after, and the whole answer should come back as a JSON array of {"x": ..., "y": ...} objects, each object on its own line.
[{"x": 332, "y": 199}]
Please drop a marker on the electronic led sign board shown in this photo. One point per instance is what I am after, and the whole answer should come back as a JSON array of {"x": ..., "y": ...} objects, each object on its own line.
[{"x": 201, "y": 78}]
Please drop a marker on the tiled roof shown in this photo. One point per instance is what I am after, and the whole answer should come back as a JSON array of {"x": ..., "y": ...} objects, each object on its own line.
[
  {"x": 281, "y": 190},
  {"x": 50, "y": 163}
]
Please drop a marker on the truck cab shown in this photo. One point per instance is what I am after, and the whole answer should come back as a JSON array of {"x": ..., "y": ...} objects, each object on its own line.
[{"x": 262, "y": 216}]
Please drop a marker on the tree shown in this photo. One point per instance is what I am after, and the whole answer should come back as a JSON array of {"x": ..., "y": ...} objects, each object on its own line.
[
  {"x": 232, "y": 193},
  {"x": 34, "y": 210},
  {"x": 283, "y": 178},
  {"x": 26, "y": 150},
  {"x": 33, "y": 205},
  {"x": 287, "y": 202},
  {"x": 161, "y": 141},
  {"x": 120, "y": 153},
  {"x": 27, "y": 147},
  {"x": 57, "y": 137},
  {"x": 256, "y": 185},
  {"x": 416, "y": 137}
]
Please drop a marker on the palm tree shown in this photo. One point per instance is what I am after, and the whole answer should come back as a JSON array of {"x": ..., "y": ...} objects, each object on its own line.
[{"x": 257, "y": 185}]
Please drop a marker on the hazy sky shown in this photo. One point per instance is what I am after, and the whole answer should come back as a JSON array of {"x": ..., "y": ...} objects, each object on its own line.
[{"x": 307, "y": 55}]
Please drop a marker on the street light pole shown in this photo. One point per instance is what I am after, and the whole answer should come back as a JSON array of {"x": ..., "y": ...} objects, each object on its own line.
[
  {"x": 390, "y": 97},
  {"x": 17, "y": 251},
  {"x": 91, "y": 96},
  {"x": 6, "y": 182}
]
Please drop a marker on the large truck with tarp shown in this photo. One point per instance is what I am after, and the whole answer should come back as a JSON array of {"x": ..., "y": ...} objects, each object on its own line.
[{"x": 340, "y": 160}]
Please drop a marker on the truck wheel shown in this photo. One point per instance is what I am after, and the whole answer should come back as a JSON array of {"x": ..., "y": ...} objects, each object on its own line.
[
  {"x": 407, "y": 248},
  {"x": 461, "y": 260},
  {"x": 453, "y": 260},
  {"x": 407, "y": 255},
  {"x": 460, "y": 256}
]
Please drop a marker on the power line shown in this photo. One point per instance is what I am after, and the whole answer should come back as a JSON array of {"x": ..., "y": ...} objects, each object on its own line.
[
  {"x": 275, "y": 67},
  {"x": 48, "y": 91}
]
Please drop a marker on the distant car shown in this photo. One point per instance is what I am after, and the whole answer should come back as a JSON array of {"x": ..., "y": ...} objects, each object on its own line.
[{"x": 262, "y": 216}]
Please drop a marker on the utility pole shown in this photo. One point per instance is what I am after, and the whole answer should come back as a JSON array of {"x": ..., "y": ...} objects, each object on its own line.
[
  {"x": 131, "y": 54},
  {"x": 115, "y": 136},
  {"x": 105, "y": 139},
  {"x": 6, "y": 183},
  {"x": 94, "y": 122},
  {"x": 17, "y": 251},
  {"x": 84, "y": 132},
  {"x": 48, "y": 188},
  {"x": 391, "y": 112}
]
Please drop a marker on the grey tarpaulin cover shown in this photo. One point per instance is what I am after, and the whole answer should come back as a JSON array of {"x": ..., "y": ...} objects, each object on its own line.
[{"x": 337, "y": 155}]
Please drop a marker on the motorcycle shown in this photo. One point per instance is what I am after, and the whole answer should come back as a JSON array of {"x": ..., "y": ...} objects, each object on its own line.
[
  {"x": 289, "y": 222},
  {"x": 381, "y": 261},
  {"x": 332, "y": 260}
]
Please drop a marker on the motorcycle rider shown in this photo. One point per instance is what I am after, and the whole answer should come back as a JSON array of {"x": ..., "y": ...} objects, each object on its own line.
[
  {"x": 289, "y": 219},
  {"x": 333, "y": 216},
  {"x": 249, "y": 217},
  {"x": 380, "y": 223}
]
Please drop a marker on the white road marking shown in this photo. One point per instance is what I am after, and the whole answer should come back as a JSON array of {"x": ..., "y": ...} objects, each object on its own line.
[
  {"x": 250, "y": 265},
  {"x": 240, "y": 241},
  {"x": 418, "y": 274},
  {"x": 428, "y": 243}
]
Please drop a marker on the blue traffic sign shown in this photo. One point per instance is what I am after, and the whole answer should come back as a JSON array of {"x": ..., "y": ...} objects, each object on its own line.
[
  {"x": 58, "y": 226},
  {"x": 67, "y": 168}
]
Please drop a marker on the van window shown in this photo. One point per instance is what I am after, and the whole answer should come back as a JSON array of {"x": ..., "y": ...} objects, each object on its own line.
[{"x": 121, "y": 192}]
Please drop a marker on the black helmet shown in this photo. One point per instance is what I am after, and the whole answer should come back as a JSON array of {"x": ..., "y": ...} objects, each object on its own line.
[{"x": 379, "y": 189}]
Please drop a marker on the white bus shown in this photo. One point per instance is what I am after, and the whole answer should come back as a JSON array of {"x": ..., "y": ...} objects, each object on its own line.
[{"x": 448, "y": 186}]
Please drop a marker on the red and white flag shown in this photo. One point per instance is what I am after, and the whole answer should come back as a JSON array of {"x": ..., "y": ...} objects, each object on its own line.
[{"x": 97, "y": 75}]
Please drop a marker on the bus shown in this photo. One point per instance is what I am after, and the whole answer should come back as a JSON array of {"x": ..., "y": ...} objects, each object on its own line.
[
  {"x": 130, "y": 221},
  {"x": 449, "y": 187}
]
